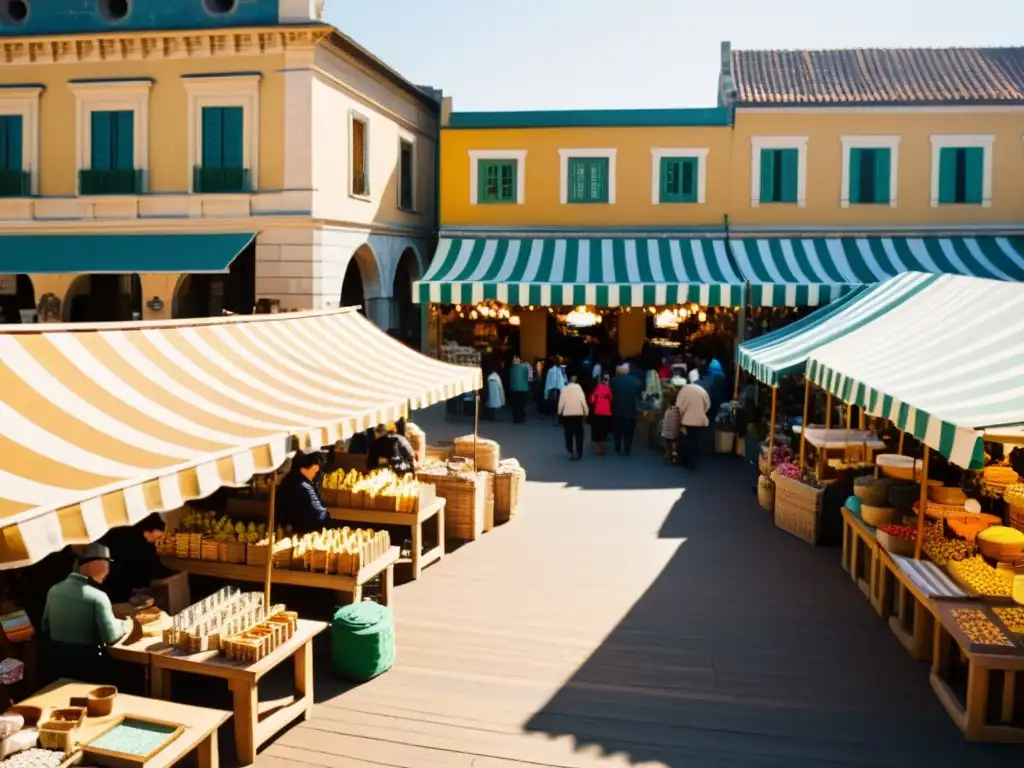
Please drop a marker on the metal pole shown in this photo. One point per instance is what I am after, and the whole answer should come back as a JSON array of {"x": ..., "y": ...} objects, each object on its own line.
[
  {"x": 771, "y": 431},
  {"x": 900, "y": 449},
  {"x": 922, "y": 504},
  {"x": 828, "y": 414},
  {"x": 803, "y": 425},
  {"x": 268, "y": 574},
  {"x": 476, "y": 426}
]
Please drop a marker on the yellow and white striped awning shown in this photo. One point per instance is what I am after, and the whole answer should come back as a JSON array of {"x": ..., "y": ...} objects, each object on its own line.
[{"x": 102, "y": 425}]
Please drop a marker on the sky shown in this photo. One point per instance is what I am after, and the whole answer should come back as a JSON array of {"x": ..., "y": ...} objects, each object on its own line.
[{"x": 602, "y": 54}]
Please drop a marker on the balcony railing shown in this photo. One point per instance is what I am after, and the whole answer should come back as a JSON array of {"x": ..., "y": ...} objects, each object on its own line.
[
  {"x": 15, "y": 183},
  {"x": 91, "y": 182},
  {"x": 220, "y": 180}
]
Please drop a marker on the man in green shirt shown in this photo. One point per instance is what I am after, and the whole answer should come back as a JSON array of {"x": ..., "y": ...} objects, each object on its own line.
[{"x": 78, "y": 620}]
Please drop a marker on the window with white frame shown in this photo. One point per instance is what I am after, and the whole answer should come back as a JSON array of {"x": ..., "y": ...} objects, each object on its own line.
[
  {"x": 778, "y": 170},
  {"x": 19, "y": 141},
  {"x": 962, "y": 169},
  {"x": 112, "y": 125},
  {"x": 406, "y": 172},
  {"x": 497, "y": 176},
  {"x": 587, "y": 176},
  {"x": 678, "y": 175},
  {"x": 223, "y": 133},
  {"x": 870, "y": 170},
  {"x": 359, "y": 155}
]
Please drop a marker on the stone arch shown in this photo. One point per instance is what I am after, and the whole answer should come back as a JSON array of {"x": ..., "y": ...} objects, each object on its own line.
[
  {"x": 405, "y": 314},
  {"x": 102, "y": 297},
  {"x": 180, "y": 298},
  {"x": 362, "y": 281},
  {"x": 22, "y": 299}
]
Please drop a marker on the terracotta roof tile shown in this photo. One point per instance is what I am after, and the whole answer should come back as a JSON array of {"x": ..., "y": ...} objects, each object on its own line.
[{"x": 880, "y": 76}]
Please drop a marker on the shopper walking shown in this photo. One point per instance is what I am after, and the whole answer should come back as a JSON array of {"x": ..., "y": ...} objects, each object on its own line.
[
  {"x": 495, "y": 396},
  {"x": 572, "y": 409},
  {"x": 519, "y": 377},
  {"x": 601, "y": 414},
  {"x": 554, "y": 383},
  {"x": 626, "y": 389},
  {"x": 693, "y": 402}
]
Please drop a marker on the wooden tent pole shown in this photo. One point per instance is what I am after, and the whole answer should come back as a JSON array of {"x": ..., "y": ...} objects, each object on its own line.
[
  {"x": 771, "y": 430},
  {"x": 828, "y": 412},
  {"x": 861, "y": 421},
  {"x": 803, "y": 424},
  {"x": 736, "y": 386},
  {"x": 476, "y": 427},
  {"x": 268, "y": 573},
  {"x": 900, "y": 449},
  {"x": 922, "y": 504}
]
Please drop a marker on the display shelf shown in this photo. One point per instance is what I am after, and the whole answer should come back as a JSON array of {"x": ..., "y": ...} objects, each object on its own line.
[{"x": 859, "y": 557}]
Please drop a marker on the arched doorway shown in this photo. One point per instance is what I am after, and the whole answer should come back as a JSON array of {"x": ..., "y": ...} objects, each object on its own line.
[
  {"x": 352, "y": 287},
  {"x": 205, "y": 295},
  {"x": 362, "y": 281},
  {"x": 17, "y": 298},
  {"x": 103, "y": 298},
  {"x": 406, "y": 314}
]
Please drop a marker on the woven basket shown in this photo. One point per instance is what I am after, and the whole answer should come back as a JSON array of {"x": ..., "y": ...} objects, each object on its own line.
[
  {"x": 725, "y": 442},
  {"x": 209, "y": 550},
  {"x": 766, "y": 493},
  {"x": 231, "y": 552},
  {"x": 1015, "y": 516},
  {"x": 439, "y": 452},
  {"x": 418, "y": 440},
  {"x": 508, "y": 488},
  {"x": 256, "y": 554},
  {"x": 763, "y": 463},
  {"x": 465, "y": 496},
  {"x": 798, "y": 508},
  {"x": 488, "y": 452}
]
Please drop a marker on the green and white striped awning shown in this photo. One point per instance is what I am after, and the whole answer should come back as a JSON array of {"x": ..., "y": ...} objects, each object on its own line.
[
  {"x": 807, "y": 272},
  {"x": 602, "y": 272},
  {"x": 945, "y": 364}
]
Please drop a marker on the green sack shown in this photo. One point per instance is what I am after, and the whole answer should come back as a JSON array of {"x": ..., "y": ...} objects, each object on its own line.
[{"x": 362, "y": 641}]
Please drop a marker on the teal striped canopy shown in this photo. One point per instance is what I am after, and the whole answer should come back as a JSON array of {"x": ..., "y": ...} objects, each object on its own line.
[
  {"x": 800, "y": 272},
  {"x": 944, "y": 364},
  {"x": 603, "y": 272},
  {"x": 770, "y": 357}
]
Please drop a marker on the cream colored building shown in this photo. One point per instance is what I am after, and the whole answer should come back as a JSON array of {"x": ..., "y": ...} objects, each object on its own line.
[{"x": 198, "y": 156}]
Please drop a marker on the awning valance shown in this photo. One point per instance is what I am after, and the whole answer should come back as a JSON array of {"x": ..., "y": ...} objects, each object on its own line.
[
  {"x": 784, "y": 351},
  {"x": 945, "y": 364},
  {"x": 603, "y": 272},
  {"x": 120, "y": 254},
  {"x": 796, "y": 272},
  {"x": 102, "y": 425}
]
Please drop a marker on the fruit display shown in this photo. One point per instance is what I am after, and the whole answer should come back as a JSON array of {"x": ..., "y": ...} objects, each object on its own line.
[
  {"x": 222, "y": 528},
  {"x": 788, "y": 469},
  {"x": 900, "y": 531},
  {"x": 982, "y": 578},
  {"x": 970, "y": 525},
  {"x": 1013, "y": 618},
  {"x": 979, "y": 628},
  {"x": 941, "y": 550},
  {"x": 332, "y": 550},
  {"x": 380, "y": 489}
]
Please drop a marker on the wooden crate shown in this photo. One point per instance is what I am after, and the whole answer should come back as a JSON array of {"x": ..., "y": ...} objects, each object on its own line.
[
  {"x": 508, "y": 488},
  {"x": 798, "y": 508},
  {"x": 466, "y": 496}
]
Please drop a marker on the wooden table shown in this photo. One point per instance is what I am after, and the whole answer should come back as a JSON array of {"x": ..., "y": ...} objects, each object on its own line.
[
  {"x": 200, "y": 723},
  {"x": 972, "y": 714},
  {"x": 825, "y": 441},
  {"x": 254, "y": 724},
  {"x": 349, "y": 588},
  {"x": 860, "y": 556},
  {"x": 413, "y": 520}
]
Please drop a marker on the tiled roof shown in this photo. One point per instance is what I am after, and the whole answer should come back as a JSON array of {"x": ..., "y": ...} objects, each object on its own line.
[{"x": 880, "y": 76}]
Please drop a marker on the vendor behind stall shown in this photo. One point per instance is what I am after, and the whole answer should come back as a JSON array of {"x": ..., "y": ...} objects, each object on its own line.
[
  {"x": 298, "y": 501},
  {"x": 136, "y": 563},
  {"x": 78, "y": 621},
  {"x": 391, "y": 449}
]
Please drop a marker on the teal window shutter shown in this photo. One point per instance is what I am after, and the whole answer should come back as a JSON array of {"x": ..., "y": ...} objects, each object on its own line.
[
  {"x": 688, "y": 179},
  {"x": 123, "y": 144},
  {"x": 947, "y": 175},
  {"x": 790, "y": 168},
  {"x": 496, "y": 181},
  {"x": 102, "y": 158},
  {"x": 597, "y": 180},
  {"x": 232, "y": 137},
  {"x": 768, "y": 172},
  {"x": 213, "y": 156},
  {"x": 577, "y": 180},
  {"x": 669, "y": 180},
  {"x": 507, "y": 182},
  {"x": 10, "y": 142},
  {"x": 856, "y": 165},
  {"x": 883, "y": 170},
  {"x": 974, "y": 174}
]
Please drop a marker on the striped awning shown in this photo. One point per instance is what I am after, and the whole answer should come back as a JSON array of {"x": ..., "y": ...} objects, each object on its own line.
[
  {"x": 603, "y": 272},
  {"x": 802, "y": 272},
  {"x": 784, "y": 351},
  {"x": 945, "y": 364},
  {"x": 101, "y": 425}
]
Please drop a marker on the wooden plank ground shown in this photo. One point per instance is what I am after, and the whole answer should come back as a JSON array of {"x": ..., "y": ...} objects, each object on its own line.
[{"x": 634, "y": 614}]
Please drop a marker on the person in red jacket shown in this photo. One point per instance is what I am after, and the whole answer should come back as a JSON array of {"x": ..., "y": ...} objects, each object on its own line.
[{"x": 601, "y": 414}]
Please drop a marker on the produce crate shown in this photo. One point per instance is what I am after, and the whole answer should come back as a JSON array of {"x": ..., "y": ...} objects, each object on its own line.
[
  {"x": 488, "y": 452},
  {"x": 508, "y": 489},
  {"x": 894, "y": 544},
  {"x": 209, "y": 550},
  {"x": 465, "y": 497},
  {"x": 231, "y": 552},
  {"x": 798, "y": 508},
  {"x": 256, "y": 554}
]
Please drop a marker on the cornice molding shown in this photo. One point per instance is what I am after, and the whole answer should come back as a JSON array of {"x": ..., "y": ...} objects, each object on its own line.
[{"x": 149, "y": 46}]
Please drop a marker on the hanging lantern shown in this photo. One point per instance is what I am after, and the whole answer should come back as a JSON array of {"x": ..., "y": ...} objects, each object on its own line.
[
  {"x": 666, "y": 320},
  {"x": 581, "y": 317},
  {"x": 514, "y": 320},
  {"x": 702, "y": 316}
]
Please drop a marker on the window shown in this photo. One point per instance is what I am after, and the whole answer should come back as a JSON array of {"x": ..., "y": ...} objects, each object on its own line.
[
  {"x": 111, "y": 168},
  {"x": 869, "y": 176},
  {"x": 222, "y": 160},
  {"x": 406, "y": 175},
  {"x": 360, "y": 173},
  {"x": 14, "y": 180},
  {"x": 779, "y": 168},
  {"x": 962, "y": 170},
  {"x": 497, "y": 179},
  {"x": 678, "y": 179},
  {"x": 588, "y": 180}
]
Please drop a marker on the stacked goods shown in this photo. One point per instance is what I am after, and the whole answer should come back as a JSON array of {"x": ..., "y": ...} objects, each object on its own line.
[
  {"x": 1001, "y": 543},
  {"x": 871, "y": 491},
  {"x": 380, "y": 489},
  {"x": 941, "y": 550},
  {"x": 979, "y": 629},
  {"x": 261, "y": 639},
  {"x": 204, "y": 536},
  {"x": 1013, "y": 618},
  {"x": 508, "y": 487},
  {"x": 996, "y": 478},
  {"x": 465, "y": 495},
  {"x": 954, "y": 497},
  {"x": 229, "y": 611},
  {"x": 971, "y": 524},
  {"x": 342, "y": 551},
  {"x": 488, "y": 452},
  {"x": 879, "y": 516},
  {"x": 898, "y": 539},
  {"x": 982, "y": 578},
  {"x": 798, "y": 507},
  {"x": 1014, "y": 498}
]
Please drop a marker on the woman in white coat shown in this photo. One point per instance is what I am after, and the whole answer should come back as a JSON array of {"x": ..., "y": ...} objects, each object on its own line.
[{"x": 495, "y": 395}]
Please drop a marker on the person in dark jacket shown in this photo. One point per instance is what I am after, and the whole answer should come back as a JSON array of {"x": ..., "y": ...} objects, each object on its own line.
[
  {"x": 391, "y": 449},
  {"x": 136, "y": 563},
  {"x": 626, "y": 390},
  {"x": 298, "y": 497}
]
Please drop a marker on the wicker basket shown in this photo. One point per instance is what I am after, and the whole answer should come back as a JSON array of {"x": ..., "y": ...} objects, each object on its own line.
[
  {"x": 508, "y": 488},
  {"x": 465, "y": 496},
  {"x": 766, "y": 493},
  {"x": 418, "y": 440},
  {"x": 256, "y": 554},
  {"x": 58, "y": 735},
  {"x": 231, "y": 552},
  {"x": 488, "y": 452},
  {"x": 439, "y": 452},
  {"x": 209, "y": 550},
  {"x": 798, "y": 508},
  {"x": 763, "y": 463},
  {"x": 725, "y": 441},
  {"x": 1015, "y": 516}
]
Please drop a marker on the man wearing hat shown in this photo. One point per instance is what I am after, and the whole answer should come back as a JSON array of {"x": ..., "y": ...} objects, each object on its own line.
[{"x": 78, "y": 620}]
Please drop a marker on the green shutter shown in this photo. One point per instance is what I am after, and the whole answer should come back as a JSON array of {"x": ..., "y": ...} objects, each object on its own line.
[
  {"x": 790, "y": 169},
  {"x": 974, "y": 166},
  {"x": 10, "y": 142},
  {"x": 883, "y": 169},
  {"x": 496, "y": 181},
  {"x": 577, "y": 180},
  {"x": 768, "y": 171},
  {"x": 688, "y": 168},
  {"x": 669, "y": 179},
  {"x": 123, "y": 144},
  {"x": 213, "y": 155},
  {"x": 102, "y": 141},
  {"x": 507, "y": 182},
  {"x": 947, "y": 175},
  {"x": 597, "y": 182},
  {"x": 856, "y": 158},
  {"x": 233, "y": 136}
]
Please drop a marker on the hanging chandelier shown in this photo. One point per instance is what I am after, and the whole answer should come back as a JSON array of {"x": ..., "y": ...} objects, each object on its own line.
[
  {"x": 666, "y": 320},
  {"x": 581, "y": 317}
]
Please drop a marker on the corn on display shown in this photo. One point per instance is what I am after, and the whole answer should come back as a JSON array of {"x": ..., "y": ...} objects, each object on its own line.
[
  {"x": 998, "y": 474},
  {"x": 982, "y": 577},
  {"x": 379, "y": 489},
  {"x": 1013, "y": 618}
]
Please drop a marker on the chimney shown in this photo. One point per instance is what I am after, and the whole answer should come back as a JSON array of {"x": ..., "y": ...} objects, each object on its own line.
[
  {"x": 726, "y": 81},
  {"x": 446, "y": 111}
]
